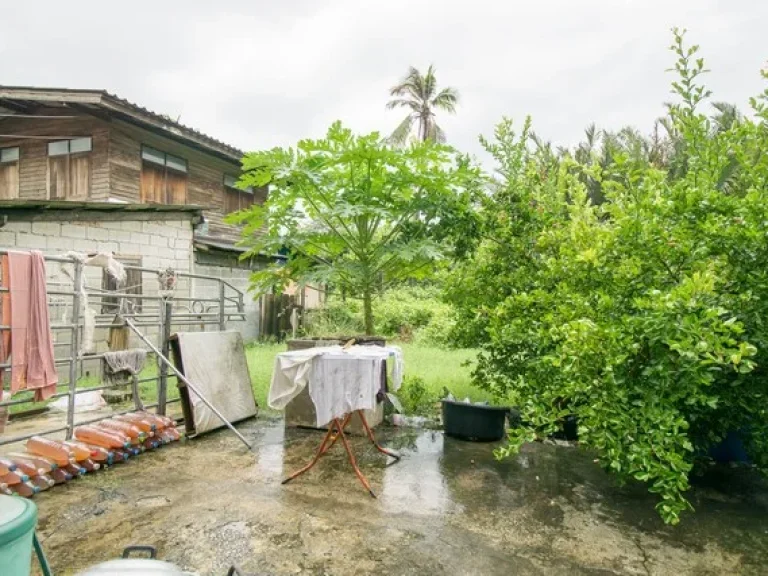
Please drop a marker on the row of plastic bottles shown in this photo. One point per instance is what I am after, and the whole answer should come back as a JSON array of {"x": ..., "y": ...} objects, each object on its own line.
[{"x": 48, "y": 462}]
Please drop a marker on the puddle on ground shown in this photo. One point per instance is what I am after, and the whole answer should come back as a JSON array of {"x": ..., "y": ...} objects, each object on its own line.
[{"x": 448, "y": 507}]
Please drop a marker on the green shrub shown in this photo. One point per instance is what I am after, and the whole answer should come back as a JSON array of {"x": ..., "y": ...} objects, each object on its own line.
[
  {"x": 336, "y": 318},
  {"x": 407, "y": 313},
  {"x": 643, "y": 315},
  {"x": 415, "y": 396}
]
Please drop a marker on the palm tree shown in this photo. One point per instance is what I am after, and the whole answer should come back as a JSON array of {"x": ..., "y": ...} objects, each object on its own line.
[{"x": 419, "y": 94}]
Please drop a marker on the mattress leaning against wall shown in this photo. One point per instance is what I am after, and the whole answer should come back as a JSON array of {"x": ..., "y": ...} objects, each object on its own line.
[{"x": 214, "y": 362}]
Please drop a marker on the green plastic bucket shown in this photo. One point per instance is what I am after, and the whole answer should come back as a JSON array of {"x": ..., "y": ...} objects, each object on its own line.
[{"x": 18, "y": 518}]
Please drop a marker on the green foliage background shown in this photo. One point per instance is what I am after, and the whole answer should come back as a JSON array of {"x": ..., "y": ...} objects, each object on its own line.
[{"x": 409, "y": 313}]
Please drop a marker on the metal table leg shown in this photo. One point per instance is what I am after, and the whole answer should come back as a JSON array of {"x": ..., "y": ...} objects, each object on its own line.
[
  {"x": 320, "y": 452},
  {"x": 369, "y": 432},
  {"x": 336, "y": 431}
]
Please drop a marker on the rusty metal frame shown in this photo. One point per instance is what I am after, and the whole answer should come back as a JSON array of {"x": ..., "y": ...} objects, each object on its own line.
[{"x": 335, "y": 431}]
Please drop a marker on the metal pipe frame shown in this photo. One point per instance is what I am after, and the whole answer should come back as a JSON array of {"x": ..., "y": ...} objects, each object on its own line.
[{"x": 229, "y": 308}]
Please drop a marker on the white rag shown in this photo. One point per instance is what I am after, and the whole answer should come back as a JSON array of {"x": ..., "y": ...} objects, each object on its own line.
[
  {"x": 340, "y": 381},
  {"x": 115, "y": 269}
]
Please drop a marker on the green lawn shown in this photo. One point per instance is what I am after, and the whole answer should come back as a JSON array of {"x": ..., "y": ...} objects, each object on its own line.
[{"x": 437, "y": 366}]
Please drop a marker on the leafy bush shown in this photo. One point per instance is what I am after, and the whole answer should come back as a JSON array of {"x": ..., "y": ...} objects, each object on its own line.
[
  {"x": 415, "y": 396},
  {"x": 336, "y": 318},
  {"x": 406, "y": 313},
  {"x": 643, "y": 315}
]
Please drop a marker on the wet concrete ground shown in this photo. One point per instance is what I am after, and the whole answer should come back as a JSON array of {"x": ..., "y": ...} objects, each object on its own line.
[{"x": 448, "y": 507}]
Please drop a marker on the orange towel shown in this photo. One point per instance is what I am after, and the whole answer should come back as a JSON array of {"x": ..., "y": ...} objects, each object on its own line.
[{"x": 29, "y": 344}]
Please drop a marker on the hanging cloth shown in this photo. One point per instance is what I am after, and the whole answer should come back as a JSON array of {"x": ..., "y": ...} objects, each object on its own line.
[{"x": 29, "y": 344}]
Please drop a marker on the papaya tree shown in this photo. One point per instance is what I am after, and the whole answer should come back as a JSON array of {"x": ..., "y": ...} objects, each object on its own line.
[{"x": 355, "y": 213}]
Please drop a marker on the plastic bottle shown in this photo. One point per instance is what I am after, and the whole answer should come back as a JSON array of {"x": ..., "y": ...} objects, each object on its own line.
[
  {"x": 98, "y": 453},
  {"x": 126, "y": 453},
  {"x": 81, "y": 452},
  {"x": 50, "y": 449},
  {"x": 101, "y": 437},
  {"x": 6, "y": 466},
  {"x": 124, "y": 428},
  {"x": 75, "y": 469},
  {"x": 13, "y": 478},
  {"x": 168, "y": 420},
  {"x": 42, "y": 481},
  {"x": 174, "y": 432},
  {"x": 61, "y": 476},
  {"x": 25, "y": 489},
  {"x": 163, "y": 421},
  {"x": 161, "y": 438},
  {"x": 151, "y": 443},
  {"x": 120, "y": 456},
  {"x": 89, "y": 465},
  {"x": 5, "y": 490},
  {"x": 146, "y": 425},
  {"x": 167, "y": 436},
  {"x": 45, "y": 464},
  {"x": 27, "y": 467}
]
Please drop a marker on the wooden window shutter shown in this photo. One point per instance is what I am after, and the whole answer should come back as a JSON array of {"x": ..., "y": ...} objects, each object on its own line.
[
  {"x": 231, "y": 200},
  {"x": 58, "y": 173},
  {"x": 80, "y": 177},
  {"x": 152, "y": 183},
  {"x": 9, "y": 181},
  {"x": 176, "y": 187}
]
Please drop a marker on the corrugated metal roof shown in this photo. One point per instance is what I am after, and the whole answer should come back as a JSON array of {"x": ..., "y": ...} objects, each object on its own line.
[
  {"x": 7, "y": 206},
  {"x": 109, "y": 101}
]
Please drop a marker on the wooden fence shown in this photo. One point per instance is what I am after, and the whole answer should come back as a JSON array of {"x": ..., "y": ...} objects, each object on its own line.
[{"x": 277, "y": 310}]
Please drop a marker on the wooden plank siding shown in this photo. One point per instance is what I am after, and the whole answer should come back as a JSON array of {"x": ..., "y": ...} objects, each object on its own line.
[
  {"x": 33, "y": 154},
  {"x": 115, "y": 162},
  {"x": 205, "y": 174}
]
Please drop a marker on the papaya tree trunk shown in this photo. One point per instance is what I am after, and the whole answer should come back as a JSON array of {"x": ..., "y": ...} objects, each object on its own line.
[{"x": 368, "y": 311}]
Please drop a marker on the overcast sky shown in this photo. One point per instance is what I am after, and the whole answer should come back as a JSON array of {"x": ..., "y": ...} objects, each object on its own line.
[{"x": 258, "y": 74}]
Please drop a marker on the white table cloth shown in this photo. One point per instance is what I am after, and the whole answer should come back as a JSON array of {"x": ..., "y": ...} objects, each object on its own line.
[{"x": 340, "y": 380}]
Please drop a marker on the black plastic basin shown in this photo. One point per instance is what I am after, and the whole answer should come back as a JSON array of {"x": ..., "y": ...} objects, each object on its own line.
[{"x": 473, "y": 421}]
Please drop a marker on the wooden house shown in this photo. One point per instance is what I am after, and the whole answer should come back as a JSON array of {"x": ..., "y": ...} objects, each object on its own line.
[{"x": 90, "y": 145}]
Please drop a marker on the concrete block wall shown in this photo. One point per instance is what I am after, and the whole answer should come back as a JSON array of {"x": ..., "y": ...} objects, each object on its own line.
[
  {"x": 155, "y": 244},
  {"x": 158, "y": 243}
]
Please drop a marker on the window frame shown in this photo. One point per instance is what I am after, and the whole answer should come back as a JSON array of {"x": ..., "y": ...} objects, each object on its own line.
[
  {"x": 229, "y": 182},
  {"x": 170, "y": 163},
  {"x": 7, "y": 148},
  {"x": 79, "y": 152},
  {"x": 16, "y": 163},
  {"x": 69, "y": 142}
]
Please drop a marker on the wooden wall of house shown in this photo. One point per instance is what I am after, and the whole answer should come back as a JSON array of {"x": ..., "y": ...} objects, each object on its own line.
[
  {"x": 205, "y": 177},
  {"x": 33, "y": 153},
  {"x": 116, "y": 162}
]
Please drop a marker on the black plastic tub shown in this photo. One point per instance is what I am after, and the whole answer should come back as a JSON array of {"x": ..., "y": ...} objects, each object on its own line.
[{"x": 474, "y": 421}]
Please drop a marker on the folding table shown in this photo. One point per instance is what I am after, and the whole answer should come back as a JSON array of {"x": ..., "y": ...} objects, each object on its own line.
[{"x": 299, "y": 368}]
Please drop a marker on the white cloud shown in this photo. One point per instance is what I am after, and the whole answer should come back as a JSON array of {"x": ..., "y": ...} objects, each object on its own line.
[{"x": 258, "y": 74}]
